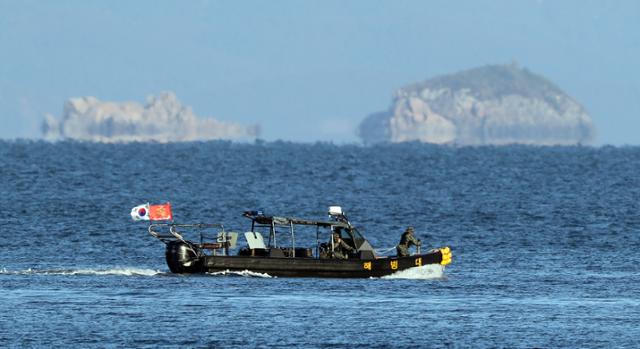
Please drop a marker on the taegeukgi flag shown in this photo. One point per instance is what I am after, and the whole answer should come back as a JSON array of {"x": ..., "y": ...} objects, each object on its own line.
[
  {"x": 140, "y": 212},
  {"x": 148, "y": 212}
]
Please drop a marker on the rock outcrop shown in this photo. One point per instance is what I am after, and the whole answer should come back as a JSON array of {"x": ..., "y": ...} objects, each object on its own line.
[
  {"x": 500, "y": 104},
  {"x": 163, "y": 119}
]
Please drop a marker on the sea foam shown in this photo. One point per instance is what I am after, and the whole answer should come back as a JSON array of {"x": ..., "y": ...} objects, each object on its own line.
[
  {"x": 124, "y": 271},
  {"x": 245, "y": 273},
  {"x": 430, "y": 271}
]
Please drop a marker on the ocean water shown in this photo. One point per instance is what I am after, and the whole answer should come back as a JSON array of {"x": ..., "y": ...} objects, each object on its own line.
[{"x": 545, "y": 244}]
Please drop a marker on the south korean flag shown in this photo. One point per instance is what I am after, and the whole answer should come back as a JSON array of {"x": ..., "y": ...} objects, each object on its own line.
[{"x": 140, "y": 213}]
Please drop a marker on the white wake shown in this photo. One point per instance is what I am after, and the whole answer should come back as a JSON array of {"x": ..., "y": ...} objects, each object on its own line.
[
  {"x": 429, "y": 271},
  {"x": 84, "y": 271},
  {"x": 244, "y": 273}
]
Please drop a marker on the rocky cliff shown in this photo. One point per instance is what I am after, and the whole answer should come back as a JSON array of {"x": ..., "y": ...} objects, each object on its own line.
[
  {"x": 499, "y": 104},
  {"x": 164, "y": 119}
]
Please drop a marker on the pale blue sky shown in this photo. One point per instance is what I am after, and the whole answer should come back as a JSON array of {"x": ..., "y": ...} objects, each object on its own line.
[{"x": 308, "y": 70}]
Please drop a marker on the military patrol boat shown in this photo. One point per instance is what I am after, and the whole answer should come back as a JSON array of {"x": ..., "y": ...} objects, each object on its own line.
[{"x": 282, "y": 254}]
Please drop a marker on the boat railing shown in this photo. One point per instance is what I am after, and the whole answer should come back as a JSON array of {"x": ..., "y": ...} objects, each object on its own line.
[
  {"x": 219, "y": 239},
  {"x": 167, "y": 232}
]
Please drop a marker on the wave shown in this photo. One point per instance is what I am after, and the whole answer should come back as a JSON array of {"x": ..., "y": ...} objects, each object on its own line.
[
  {"x": 244, "y": 273},
  {"x": 87, "y": 271},
  {"x": 425, "y": 272}
]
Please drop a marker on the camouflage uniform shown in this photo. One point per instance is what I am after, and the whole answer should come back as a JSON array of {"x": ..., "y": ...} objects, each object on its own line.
[
  {"x": 341, "y": 249},
  {"x": 406, "y": 241}
]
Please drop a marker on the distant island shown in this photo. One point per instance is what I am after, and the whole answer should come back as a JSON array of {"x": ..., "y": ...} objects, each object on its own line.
[
  {"x": 495, "y": 104},
  {"x": 163, "y": 119}
]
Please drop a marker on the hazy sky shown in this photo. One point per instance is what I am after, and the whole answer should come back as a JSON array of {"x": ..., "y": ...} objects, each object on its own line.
[{"x": 308, "y": 70}]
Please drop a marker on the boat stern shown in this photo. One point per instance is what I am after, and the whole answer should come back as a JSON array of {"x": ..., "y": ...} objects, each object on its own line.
[{"x": 183, "y": 257}]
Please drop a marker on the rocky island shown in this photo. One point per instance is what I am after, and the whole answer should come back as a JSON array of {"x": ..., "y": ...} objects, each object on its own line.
[
  {"x": 490, "y": 105},
  {"x": 162, "y": 119}
]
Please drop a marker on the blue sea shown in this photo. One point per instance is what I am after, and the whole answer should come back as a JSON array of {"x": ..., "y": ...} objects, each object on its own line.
[{"x": 545, "y": 242}]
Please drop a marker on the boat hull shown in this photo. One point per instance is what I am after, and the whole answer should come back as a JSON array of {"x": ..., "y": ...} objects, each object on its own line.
[{"x": 300, "y": 267}]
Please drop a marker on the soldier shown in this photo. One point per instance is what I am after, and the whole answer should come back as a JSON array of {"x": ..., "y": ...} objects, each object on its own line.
[
  {"x": 340, "y": 248},
  {"x": 406, "y": 241}
]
